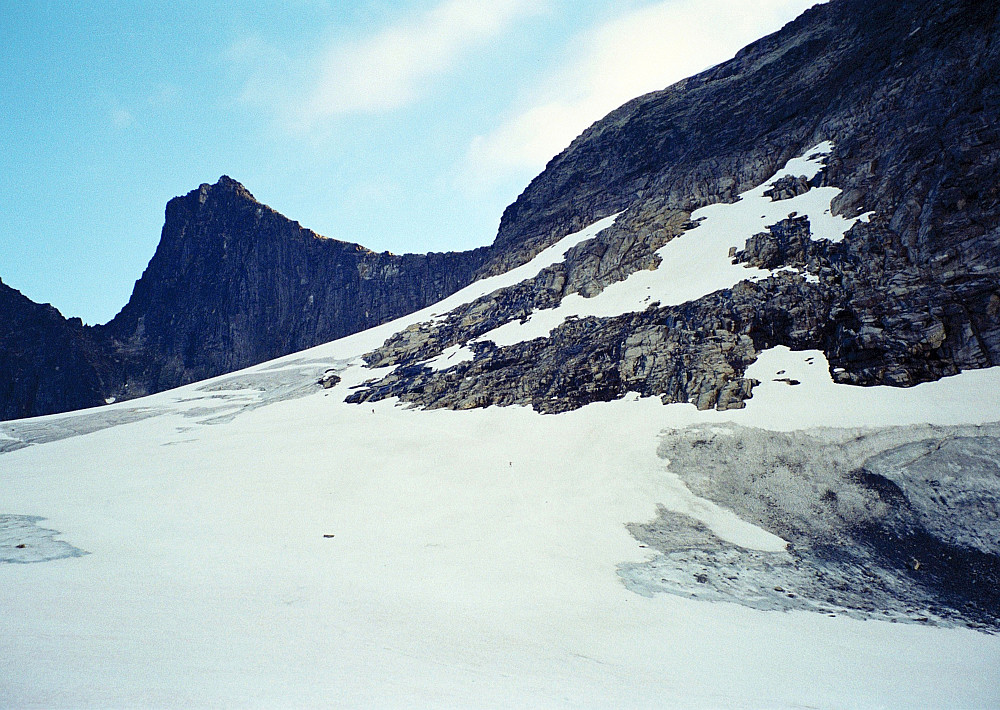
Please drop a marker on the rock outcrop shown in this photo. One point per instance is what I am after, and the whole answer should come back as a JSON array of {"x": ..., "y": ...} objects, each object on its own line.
[
  {"x": 234, "y": 283},
  {"x": 47, "y": 363}
]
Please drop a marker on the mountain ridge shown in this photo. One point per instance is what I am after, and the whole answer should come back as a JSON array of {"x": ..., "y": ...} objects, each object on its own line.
[
  {"x": 909, "y": 295},
  {"x": 904, "y": 91},
  {"x": 253, "y": 285},
  {"x": 232, "y": 283}
]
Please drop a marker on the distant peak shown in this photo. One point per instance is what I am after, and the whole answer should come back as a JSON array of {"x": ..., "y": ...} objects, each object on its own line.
[{"x": 225, "y": 184}]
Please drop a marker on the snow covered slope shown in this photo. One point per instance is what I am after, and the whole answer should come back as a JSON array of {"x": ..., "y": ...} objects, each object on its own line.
[{"x": 255, "y": 541}]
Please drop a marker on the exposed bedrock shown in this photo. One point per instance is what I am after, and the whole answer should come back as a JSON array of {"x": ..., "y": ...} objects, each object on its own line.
[{"x": 879, "y": 319}]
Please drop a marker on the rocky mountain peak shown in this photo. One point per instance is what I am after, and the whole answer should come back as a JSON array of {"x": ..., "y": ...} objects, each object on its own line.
[
  {"x": 207, "y": 201},
  {"x": 228, "y": 184},
  {"x": 234, "y": 282},
  {"x": 224, "y": 186}
]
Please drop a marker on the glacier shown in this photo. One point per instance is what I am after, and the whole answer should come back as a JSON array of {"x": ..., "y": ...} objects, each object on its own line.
[{"x": 253, "y": 540}]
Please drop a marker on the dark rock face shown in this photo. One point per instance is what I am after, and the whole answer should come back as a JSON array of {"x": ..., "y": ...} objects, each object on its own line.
[
  {"x": 787, "y": 187},
  {"x": 884, "y": 320},
  {"x": 47, "y": 363},
  {"x": 906, "y": 91},
  {"x": 234, "y": 283}
]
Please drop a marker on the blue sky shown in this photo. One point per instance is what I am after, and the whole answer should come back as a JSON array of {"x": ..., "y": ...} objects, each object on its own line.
[{"x": 404, "y": 126}]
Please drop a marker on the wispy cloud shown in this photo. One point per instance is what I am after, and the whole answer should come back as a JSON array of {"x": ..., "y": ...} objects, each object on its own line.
[
  {"x": 642, "y": 51},
  {"x": 391, "y": 67},
  {"x": 121, "y": 118}
]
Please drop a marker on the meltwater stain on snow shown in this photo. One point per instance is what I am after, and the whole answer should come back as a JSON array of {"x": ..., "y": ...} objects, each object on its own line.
[
  {"x": 897, "y": 523},
  {"x": 233, "y": 395},
  {"x": 22, "y": 541},
  {"x": 26, "y": 432}
]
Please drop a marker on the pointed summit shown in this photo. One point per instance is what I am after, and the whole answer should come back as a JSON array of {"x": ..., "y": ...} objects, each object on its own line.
[{"x": 226, "y": 185}]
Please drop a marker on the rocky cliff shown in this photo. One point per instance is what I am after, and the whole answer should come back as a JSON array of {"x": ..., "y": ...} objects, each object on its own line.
[
  {"x": 906, "y": 89},
  {"x": 232, "y": 283},
  {"x": 47, "y": 363}
]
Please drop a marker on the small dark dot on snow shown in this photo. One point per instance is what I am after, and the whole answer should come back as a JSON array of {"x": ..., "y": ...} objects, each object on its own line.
[{"x": 328, "y": 536}]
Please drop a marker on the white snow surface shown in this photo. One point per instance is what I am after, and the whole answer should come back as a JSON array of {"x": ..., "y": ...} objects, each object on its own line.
[
  {"x": 255, "y": 541},
  {"x": 472, "y": 562},
  {"x": 697, "y": 262},
  {"x": 451, "y": 356}
]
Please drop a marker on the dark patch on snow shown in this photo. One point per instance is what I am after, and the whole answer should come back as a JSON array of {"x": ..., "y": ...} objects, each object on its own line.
[
  {"x": 899, "y": 524},
  {"x": 22, "y": 541},
  {"x": 25, "y": 432}
]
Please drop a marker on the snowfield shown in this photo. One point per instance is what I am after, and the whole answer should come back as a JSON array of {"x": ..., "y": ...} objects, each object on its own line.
[{"x": 254, "y": 541}]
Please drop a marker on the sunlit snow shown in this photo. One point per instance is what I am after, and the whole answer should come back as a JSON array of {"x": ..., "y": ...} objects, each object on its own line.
[
  {"x": 255, "y": 541},
  {"x": 450, "y": 357},
  {"x": 697, "y": 262}
]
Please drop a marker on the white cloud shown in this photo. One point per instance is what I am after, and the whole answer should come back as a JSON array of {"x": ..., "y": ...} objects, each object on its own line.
[
  {"x": 388, "y": 69},
  {"x": 121, "y": 117},
  {"x": 645, "y": 50}
]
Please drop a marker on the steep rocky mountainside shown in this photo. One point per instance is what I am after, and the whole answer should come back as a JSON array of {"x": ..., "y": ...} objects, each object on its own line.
[
  {"x": 47, "y": 363},
  {"x": 232, "y": 283},
  {"x": 907, "y": 90},
  {"x": 906, "y": 95}
]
